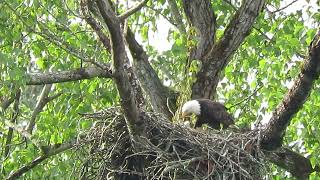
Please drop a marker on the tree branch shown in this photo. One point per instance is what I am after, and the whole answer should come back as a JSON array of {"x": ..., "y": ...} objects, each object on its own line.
[
  {"x": 177, "y": 16},
  {"x": 220, "y": 54},
  {"x": 13, "y": 120},
  {"x": 23, "y": 132},
  {"x": 42, "y": 101},
  {"x": 294, "y": 99},
  {"x": 51, "y": 151},
  {"x": 119, "y": 56},
  {"x": 84, "y": 7},
  {"x": 66, "y": 76},
  {"x": 132, "y": 10},
  {"x": 6, "y": 102},
  {"x": 148, "y": 78},
  {"x": 283, "y": 8},
  {"x": 292, "y": 162}
]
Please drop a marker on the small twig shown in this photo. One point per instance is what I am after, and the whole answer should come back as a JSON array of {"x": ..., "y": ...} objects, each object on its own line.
[
  {"x": 280, "y": 9},
  {"x": 247, "y": 98},
  {"x": 133, "y": 10},
  {"x": 171, "y": 21}
]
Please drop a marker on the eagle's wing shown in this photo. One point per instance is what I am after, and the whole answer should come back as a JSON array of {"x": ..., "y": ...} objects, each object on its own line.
[{"x": 219, "y": 112}]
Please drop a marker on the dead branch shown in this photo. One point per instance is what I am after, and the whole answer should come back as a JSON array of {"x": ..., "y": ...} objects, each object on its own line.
[
  {"x": 220, "y": 54},
  {"x": 66, "y": 76},
  {"x": 132, "y": 10},
  {"x": 294, "y": 99}
]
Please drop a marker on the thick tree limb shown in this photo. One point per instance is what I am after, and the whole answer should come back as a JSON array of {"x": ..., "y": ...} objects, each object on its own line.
[
  {"x": 292, "y": 162},
  {"x": 148, "y": 78},
  {"x": 132, "y": 10},
  {"x": 220, "y": 54},
  {"x": 119, "y": 56},
  {"x": 202, "y": 18},
  {"x": 66, "y": 76},
  {"x": 51, "y": 151},
  {"x": 294, "y": 99}
]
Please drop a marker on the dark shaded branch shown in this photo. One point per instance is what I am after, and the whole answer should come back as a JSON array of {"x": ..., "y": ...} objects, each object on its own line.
[
  {"x": 293, "y": 162},
  {"x": 13, "y": 120},
  {"x": 119, "y": 57},
  {"x": 7, "y": 101},
  {"x": 220, "y": 54},
  {"x": 177, "y": 16},
  {"x": 294, "y": 99},
  {"x": 132, "y": 10},
  {"x": 201, "y": 16},
  {"x": 51, "y": 151},
  {"x": 66, "y": 76},
  {"x": 148, "y": 78},
  {"x": 284, "y": 7}
]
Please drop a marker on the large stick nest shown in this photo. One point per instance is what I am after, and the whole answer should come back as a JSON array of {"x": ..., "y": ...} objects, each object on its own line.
[{"x": 168, "y": 151}]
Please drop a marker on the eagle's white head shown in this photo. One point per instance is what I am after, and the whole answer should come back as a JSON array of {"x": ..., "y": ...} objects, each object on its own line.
[{"x": 190, "y": 107}]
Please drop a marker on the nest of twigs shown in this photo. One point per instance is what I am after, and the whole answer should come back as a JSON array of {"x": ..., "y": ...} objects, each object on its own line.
[{"x": 168, "y": 151}]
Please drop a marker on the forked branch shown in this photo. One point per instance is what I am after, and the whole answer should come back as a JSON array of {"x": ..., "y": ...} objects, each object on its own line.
[{"x": 220, "y": 54}]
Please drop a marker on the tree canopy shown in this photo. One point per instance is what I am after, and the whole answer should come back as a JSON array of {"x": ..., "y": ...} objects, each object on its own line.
[{"x": 64, "y": 64}]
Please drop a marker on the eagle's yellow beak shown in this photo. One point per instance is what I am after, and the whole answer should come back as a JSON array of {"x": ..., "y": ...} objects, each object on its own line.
[{"x": 184, "y": 114}]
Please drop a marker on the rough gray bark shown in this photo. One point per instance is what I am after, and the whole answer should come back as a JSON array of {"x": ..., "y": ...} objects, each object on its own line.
[
  {"x": 158, "y": 94},
  {"x": 66, "y": 76},
  {"x": 221, "y": 52},
  {"x": 119, "y": 57},
  {"x": 201, "y": 16}
]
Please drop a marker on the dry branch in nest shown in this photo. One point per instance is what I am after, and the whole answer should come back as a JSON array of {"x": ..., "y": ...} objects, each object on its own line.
[{"x": 169, "y": 151}]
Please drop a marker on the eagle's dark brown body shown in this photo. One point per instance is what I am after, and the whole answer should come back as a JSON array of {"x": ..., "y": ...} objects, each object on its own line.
[{"x": 213, "y": 114}]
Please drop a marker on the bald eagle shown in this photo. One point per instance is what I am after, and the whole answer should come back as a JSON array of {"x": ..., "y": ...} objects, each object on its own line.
[{"x": 208, "y": 112}]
